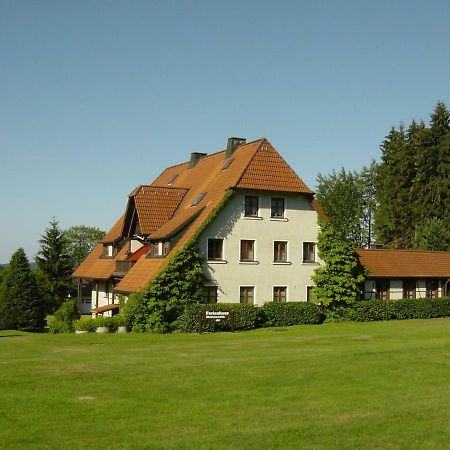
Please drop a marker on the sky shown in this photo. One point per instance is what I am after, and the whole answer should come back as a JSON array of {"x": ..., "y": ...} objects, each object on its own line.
[{"x": 99, "y": 96}]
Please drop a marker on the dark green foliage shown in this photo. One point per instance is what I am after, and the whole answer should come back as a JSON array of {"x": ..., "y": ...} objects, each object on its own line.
[
  {"x": 348, "y": 199},
  {"x": 291, "y": 313},
  {"x": 247, "y": 317},
  {"x": 55, "y": 263},
  {"x": 64, "y": 318},
  {"x": 21, "y": 305},
  {"x": 157, "y": 307},
  {"x": 433, "y": 235},
  {"x": 372, "y": 310},
  {"x": 80, "y": 241},
  {"x": 339, "y": 281},
  {"x": 85, "y": 324},
  {"x": 412, "y": 183}
]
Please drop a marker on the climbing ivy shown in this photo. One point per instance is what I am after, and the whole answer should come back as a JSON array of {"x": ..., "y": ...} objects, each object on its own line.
[{"x": 156, "y": 307}]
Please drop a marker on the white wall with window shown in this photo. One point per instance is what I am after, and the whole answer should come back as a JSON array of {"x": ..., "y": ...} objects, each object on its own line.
[{"x": 256, "y": 241}]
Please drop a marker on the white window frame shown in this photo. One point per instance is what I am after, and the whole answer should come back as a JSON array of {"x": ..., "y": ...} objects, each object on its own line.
[
  {"x": 255, "y": 255},
  {"x": 216, "y": 261},
  {"x": 287, "y": 262},
  {"x": 279, "y": 219},
  {"x": 258, "y": 214},
  {"x": 315, "y": 252},
  {"x": 281, "y": 286},
  {"x": 247, "y": 286}
]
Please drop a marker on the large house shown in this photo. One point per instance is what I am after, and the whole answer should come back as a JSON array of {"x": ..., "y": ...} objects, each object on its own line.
[{"x": 260, "y": 247}]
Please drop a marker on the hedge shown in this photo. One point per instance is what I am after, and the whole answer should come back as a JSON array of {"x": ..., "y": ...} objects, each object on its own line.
[
  {"x": 246, "y": 317},
  {"x": 291, "y": 313},
  {"x": 374, "y": 310}
]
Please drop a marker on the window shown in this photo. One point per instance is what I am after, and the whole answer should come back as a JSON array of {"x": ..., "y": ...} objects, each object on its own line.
[
  {"x": 227, "y": 164},
  {"x": 310, "y": 295},
  {"x": 247, "y": 250},
  {"x": 154, "y": 249},
  {"x": 280, "y": 251},
  {"x": 277, "y": 207},
  {"x": 409, "y": 288},
  {"x": 247, "y": 294},
  {"x": 198, "y": 199},
  {"x": 209, "y": 294},
  {"x": 172, "y": 179},
  {"x": 279, "y": 294},
  {"x": 215, "y": 249},
  {"x": 165, "y": 247},
  {"x": 309, "y": 252},
  {"x": 108, "y": 250},
  {"x": 251, "y": 206},
  {"x": 432, "y": 288},
  {"x": 382, "y": 289}
]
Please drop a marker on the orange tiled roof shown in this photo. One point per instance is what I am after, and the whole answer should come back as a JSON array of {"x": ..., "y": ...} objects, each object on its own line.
[
  {"x": 269, "y": 171},
  {"x": 255, "y": 165},
  {"x": 155, "y": 205},
  {"x": 114, "y": 232},
  {"x": 405, "y": 263}
]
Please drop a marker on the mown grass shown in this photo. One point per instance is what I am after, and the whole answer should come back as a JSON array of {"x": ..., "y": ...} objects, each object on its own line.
[{"x": 350, "y": 385}]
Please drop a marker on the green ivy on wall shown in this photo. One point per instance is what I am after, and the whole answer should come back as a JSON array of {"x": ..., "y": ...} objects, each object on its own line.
[{"x": 156, "y": 307}]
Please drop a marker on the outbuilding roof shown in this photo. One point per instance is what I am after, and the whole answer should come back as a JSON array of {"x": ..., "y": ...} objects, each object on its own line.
[{"x": 392, "y": 263}]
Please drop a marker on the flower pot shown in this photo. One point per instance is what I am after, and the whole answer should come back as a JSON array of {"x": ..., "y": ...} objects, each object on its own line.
[
  {"x": 102, "y": 330},
  {"x": 122, "y": 329}
]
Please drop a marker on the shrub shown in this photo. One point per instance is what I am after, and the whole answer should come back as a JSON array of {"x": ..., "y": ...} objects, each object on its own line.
[
  {"x": 108, "y": 322},
  {"x": 64, "y": 318},
  {"x": 246, "y": 317},
  {"x": 292, "y": 313},
  {"x": 85, "y": 324},
  {"x": 373, "y": 310}
]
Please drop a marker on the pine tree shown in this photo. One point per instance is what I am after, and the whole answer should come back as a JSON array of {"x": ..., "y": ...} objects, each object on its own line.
[
  {"x": 339, "y": 281},
  {"x": 55, "y": 263},
  {"x": 21, "y": 305},
  {"x": 433, "y": 235}
]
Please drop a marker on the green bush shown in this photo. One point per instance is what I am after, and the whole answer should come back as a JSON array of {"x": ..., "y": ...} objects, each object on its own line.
[
  {"x": 110, "y": 322},
  {"x": 246, "y": 317},
  {"x": 291, "y": 313},
  {"x": 85, "y": 324},
  {"x": 373, "y": 310},
  {"x": 64, "y": 318}
]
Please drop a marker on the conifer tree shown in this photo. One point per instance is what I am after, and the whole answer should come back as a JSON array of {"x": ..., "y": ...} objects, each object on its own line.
[
  {"x": 55, "y": 263},
  {"x": 21, "y": 306}
]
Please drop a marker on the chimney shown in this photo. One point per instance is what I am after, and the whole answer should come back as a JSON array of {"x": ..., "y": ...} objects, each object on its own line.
[
  {"x": 194, "y": 158},
  {"x": 233, "y": 144}
]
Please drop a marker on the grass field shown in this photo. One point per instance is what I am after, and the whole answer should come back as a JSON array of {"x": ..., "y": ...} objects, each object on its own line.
[{"x": 351, "y": 385}]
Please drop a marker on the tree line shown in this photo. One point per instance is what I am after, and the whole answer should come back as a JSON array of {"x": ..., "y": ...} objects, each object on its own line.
[
  {"x": 28, "y": 295},
  {"x": 402, "y": 201}
]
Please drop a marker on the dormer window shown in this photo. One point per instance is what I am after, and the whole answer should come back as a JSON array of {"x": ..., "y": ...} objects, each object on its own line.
[
  {"x": 159, "y": 248},
  {"x": 198, "y": 199},
  {"x": 108, "y": 250}
]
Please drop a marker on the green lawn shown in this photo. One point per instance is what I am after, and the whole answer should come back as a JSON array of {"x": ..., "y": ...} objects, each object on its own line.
[{"x": 351, "y": 385}]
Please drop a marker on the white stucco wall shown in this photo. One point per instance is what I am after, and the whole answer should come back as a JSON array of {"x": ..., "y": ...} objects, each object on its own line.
[
  {"x": 102, "y": 295},
  {"x": 300, "y": 225}
]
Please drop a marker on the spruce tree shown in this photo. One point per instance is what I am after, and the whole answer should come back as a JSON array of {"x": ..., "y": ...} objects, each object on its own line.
[
  {"x": 55, "y": 263},
  {"x": 21, "y": 305}
]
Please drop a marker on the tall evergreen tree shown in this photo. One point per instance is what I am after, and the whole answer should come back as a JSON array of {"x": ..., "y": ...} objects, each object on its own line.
[
  {"x": 21, "y": 305},
  {"x": 55, "y": 263},
  {"x": 413, "y": 180}
]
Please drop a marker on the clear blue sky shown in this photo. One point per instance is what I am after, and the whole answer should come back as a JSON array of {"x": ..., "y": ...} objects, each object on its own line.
[{"x": 97, "y": 97}]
